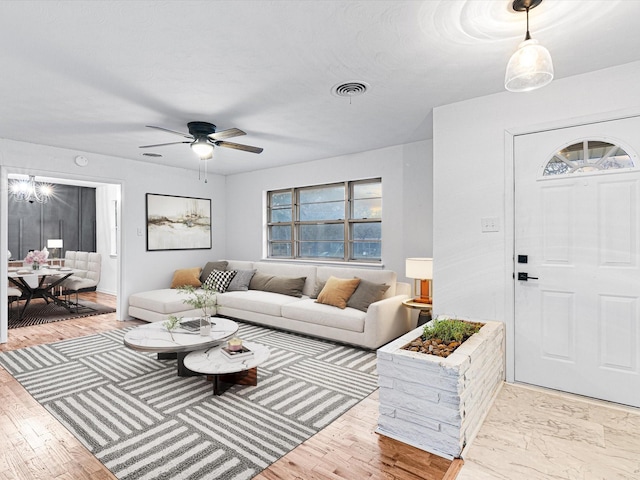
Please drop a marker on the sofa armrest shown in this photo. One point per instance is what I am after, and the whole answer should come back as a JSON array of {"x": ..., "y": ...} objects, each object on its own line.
[
  {"x": 403, "y": 288},
  {"x": 386, "y": 320}
]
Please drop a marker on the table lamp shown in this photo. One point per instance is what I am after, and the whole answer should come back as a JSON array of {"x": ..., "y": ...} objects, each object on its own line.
[
  {"x": 54, "y": 244},
  {"x": 420, "y": 269}
]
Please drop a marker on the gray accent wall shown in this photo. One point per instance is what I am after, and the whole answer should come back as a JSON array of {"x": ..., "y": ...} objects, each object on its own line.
[{"x": 70, "y": 214}]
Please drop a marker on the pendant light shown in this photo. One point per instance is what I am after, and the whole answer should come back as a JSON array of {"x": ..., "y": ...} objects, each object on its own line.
[{"x": 530, "y": 66}]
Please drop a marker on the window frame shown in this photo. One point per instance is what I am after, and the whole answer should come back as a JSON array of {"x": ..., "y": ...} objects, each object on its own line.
[{"x": 348, "y": 221}]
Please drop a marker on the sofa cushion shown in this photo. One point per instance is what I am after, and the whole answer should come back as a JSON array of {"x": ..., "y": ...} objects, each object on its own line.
[
  {"x": 307, "y": 310},
  {"x": 257, "y": 301},
  {"x": 186, "y": 276},
  {"x": 206, "y": 271},
  {"x": 165, "y": 301},
  {"x": 219, "y": 280},
  {"x": 291, "y": 286},
  {"x": 366, "y": 293},
  {"x": 240, "y": 281},
  {"x": 337, "y": 291}
]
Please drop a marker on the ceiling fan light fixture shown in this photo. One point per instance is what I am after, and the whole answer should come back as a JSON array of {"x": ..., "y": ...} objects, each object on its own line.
[
  {"x": 530, "y": 67},
  {"x": 202, "y": 148}
]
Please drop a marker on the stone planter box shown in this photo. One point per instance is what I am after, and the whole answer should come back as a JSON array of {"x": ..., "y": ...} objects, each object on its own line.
[{"x": 438, "y": 404}]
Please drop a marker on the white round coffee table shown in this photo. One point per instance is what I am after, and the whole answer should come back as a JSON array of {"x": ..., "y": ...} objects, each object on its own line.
[
  {"x": 154, "y": 337},
  {"x": 224, "y": 371}
]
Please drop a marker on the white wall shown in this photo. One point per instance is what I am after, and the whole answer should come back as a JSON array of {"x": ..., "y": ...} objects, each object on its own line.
[
  {"x": 473, "y": 178},
  {"x": 407, "y": 195},
  {"x": 140, "y": 270},
  {"x": 105, "y": 222}
]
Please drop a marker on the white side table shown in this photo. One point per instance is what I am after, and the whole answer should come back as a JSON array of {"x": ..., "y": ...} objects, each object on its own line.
[
  {"x": 225, "y": 371},
  {"x": 425, "y": 310}
]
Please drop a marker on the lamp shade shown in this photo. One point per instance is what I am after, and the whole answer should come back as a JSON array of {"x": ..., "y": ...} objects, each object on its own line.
[
  {"x": 54, "y": 243},
  {"x": 530, "y": 67},
  {"x": 202, "y": 148},
  {"x": 421, "y": 268}
]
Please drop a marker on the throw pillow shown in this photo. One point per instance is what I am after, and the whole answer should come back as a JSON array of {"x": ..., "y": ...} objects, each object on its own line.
[
  {"x": 366, "y": 293},
  {"x": 259, "y": 281},
  {"x": 319, "y": 287},
  {"x": 219, "y": 280},
  {"x": 210, "y": 266},
  {"x": 337, "y": 291},
  {"x": 186, "y": 276},
  {"x": 291, "y": 286},
  {"x": 240, "y": 282}
]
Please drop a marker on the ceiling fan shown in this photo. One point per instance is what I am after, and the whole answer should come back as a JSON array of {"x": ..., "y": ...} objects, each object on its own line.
[{"x": 203, "y": 138}]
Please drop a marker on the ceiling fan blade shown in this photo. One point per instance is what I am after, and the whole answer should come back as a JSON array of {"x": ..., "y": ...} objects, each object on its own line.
[
  {"x": 161, "y": 144},
  {"x": 222, "y": 134},
  {"x": 185, "y": 135},
  {"x": 237, "y": 146}
]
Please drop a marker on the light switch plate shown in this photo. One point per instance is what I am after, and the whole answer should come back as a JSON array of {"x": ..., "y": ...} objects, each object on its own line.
[{"x": 490, "y": 224}]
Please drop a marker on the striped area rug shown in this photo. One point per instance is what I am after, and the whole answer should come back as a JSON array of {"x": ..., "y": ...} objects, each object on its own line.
[
  {"x": 40, "y": 312},
  {"x": 142, "y": 421}
]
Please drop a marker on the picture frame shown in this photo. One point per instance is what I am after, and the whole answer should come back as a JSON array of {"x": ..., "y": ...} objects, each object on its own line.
[{"x": 177, "y": 223}]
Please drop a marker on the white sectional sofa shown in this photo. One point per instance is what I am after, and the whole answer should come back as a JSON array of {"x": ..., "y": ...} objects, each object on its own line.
[{"x": 383, "y": 321}]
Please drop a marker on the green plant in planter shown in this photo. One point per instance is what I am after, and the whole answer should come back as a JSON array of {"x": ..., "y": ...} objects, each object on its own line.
[
  {"x": 204, "y": 298},
  {"x": 450, "y": 330}
]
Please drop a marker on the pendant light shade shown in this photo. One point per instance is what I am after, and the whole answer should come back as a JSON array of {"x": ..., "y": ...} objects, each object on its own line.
[{"x": 530, "y": 67}]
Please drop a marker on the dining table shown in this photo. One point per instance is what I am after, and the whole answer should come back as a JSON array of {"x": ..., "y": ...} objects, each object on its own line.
[{"x": 41, "y": 283}]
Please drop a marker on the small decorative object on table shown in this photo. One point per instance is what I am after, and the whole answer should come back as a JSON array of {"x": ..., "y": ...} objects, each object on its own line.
[
  {"x": 205, "y": 326},
  {"x": 238, "y": 354},
  {"x": 235, "y": 344}
]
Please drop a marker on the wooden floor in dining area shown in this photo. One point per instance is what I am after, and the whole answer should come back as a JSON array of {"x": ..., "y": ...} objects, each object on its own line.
[{"x": 33, "y": 445}]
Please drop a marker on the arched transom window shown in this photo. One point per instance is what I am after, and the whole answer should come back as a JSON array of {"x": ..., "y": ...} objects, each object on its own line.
[{"x": 588, "y": 156}]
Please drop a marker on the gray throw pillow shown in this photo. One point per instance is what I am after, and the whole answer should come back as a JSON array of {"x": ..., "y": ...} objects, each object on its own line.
[
  {"x": 211, "y": 266},
  {"x": 291, "y": 286},
  {"x": 366, "y": 294},
  {"x": 319, "y": 286},
  {"x": 240, "y": 282}
]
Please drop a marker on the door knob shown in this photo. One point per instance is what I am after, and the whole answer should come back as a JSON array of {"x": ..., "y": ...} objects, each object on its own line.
[{"x": 524, "y": 276}]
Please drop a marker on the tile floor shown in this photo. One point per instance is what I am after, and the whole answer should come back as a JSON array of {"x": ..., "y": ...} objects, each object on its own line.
[{"x": 531, "y": 433}]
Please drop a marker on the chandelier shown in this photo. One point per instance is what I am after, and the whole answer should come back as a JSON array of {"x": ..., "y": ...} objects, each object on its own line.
[{"x": 30, "y": 191}]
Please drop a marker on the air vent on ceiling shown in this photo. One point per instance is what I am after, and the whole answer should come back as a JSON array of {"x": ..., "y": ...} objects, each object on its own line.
[
  {"x": 155, "y": 155},
  {"x": 350, "y": 89}
]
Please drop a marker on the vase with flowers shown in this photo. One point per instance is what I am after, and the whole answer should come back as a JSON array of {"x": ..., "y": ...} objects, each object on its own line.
[{"x": 36, "y": 258}]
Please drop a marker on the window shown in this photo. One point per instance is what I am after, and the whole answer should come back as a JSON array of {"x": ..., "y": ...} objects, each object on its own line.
[
  {"x": 586, "y": 157},
  {"x": 339, "y": 221}
]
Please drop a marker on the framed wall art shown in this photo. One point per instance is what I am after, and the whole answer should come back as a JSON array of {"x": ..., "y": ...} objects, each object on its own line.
[{"x": 178, "y": 223}]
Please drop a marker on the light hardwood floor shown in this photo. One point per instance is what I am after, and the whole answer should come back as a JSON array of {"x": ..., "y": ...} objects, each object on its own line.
[{"x": 33, "y": 445}]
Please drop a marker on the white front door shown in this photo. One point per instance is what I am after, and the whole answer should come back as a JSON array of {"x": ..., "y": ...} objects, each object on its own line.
[{"x": 577, "y": 321}]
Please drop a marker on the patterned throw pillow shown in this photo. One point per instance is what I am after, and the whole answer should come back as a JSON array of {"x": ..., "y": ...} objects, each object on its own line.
[{"x": 219, "y": 280}]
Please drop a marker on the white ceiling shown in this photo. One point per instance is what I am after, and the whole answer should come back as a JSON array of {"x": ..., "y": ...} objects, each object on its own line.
[{"x": 89, "y": 75}]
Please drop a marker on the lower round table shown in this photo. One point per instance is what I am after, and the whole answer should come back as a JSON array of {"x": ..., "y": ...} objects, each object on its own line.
[{"x": 225, "y": 371}]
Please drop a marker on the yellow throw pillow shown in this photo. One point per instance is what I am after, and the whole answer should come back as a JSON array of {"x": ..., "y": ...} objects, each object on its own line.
[
  {"x": 186, "y": 276},
  {"x": 337, "y": 291}
]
